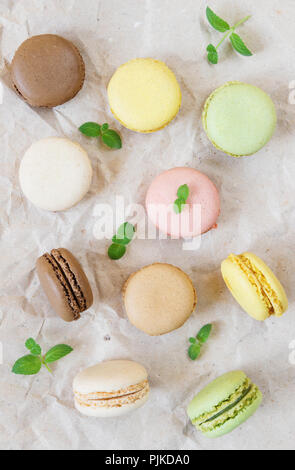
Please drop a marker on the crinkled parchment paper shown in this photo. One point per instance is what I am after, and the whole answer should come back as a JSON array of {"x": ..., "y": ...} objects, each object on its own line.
[{"x": 258, "y": 214}]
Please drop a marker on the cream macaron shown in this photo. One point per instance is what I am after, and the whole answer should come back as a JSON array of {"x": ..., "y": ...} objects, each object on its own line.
[
  {"x": 159, "y": 299},
  {"x": 144, "y": 95},
  {"x": 55, "y": 174},
  {"x": 110, "y": 389}
]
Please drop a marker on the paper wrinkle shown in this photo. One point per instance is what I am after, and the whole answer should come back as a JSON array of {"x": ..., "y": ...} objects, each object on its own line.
[{"x": 258, "y": 214}]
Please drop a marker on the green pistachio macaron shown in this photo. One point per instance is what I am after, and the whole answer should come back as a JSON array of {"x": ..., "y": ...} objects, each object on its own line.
[
  {"x": 224, "y": 404},
  {"x": 239, "y": 119}
]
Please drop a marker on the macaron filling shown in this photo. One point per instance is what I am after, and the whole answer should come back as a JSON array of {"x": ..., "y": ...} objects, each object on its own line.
[
  {"x": 236, "y": 403},
  {"x": 232, "y": 411},
  {"x": 229, "y": 407},
  {"x": 259, "y": 281},
  {"x": 69, "y": 284},
  {"x": 70, "y": 277},
  {"x": 115, "y": 399}
]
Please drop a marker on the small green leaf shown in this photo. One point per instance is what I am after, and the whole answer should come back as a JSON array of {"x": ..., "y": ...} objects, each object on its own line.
[
  {"x": 193, "y": 340},
  {"x": 212, "y": 54},
  {"x": 33, "y": 347},
  {"x": 58, "y": 352},
  {"x": 239, "y": 45},
  {"x": 27, "y": 365},
  {"x": 30, "y": 343},
  {"x": 179, "y": 204},
  {"x": 125, "y": 234},
  {"x": 116, "y": 252},
  {"x": 112, "y": 139},
  {"x": 194, "y": 351},
  {"x": 204, "y": 333},
  {"x": 120, "y": 241},
  {"x": 90, "y": 129},
  {"x": 104, "y": 127},
  {"x": 36, "y": 350},
  {"x": 215, "y": 21},
  {"x": 183, "y": 192}
]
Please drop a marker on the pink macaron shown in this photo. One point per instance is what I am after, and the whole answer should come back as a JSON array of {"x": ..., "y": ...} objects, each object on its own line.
[{"x": 202, "y": 207}]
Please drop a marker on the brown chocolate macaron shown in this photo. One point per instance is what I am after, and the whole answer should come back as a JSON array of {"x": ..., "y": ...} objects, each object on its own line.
[
  {"x": 47, "y": 71},
  {"x": 65, "y": 284}
]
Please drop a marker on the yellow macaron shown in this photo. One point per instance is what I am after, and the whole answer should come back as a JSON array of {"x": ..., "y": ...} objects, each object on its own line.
[
  {"x": 144, "y": 95},
  {"x": 254, "y": 286}
]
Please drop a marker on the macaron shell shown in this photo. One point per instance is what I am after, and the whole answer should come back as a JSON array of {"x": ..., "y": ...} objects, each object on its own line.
[
  {"x": 55, "y": 174},
  {"x": 204, "y": 203},
  {"x": 276, "y": 288},
  {"x": 109, "y": 376},
  {"x": 47, "y": 70},
  {"x": 239, "y": 119},
  {"x": 144, "y": 95},
  {"x": 159, "y": 299},
  {"x": 111, "y": 388},
  {"x": 57, "y": 289},
  {"x": 215, "y": 393},
  {"x": 76, "y": 277},
  {"x": 244, "y": 291},
  {"x": 234, "y": 423}
]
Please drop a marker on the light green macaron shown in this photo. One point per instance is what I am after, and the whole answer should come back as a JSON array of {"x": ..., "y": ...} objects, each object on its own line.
[
  {"x": 224, "y": 404},
  {"x": 239, "y": 119}
]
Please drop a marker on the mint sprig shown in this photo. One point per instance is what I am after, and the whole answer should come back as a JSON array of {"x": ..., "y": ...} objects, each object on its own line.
[
  {"x": 222, "y": 26},
  {"x": 196, "y": 343},
  {"x": 32, "y": 363},
  {"x": 182, "y": 196},
  {"x": 218, "y": 23},
  {"x": 109, "y": 137},
  {"x": 123, "y": 237}
]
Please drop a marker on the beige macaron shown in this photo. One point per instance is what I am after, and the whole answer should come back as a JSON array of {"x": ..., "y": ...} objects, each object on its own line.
[
  {"x": 159, "y": 298},
  {"x": 111, "y": 389}
]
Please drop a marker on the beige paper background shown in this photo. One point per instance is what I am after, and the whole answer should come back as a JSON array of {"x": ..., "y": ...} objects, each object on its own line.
[{"x": 258, "y": 214}]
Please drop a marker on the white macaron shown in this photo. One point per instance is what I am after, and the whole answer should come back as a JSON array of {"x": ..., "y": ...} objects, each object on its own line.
[
  {"x": 111, "y": 389},
  {"x": 55, "y": 174}
]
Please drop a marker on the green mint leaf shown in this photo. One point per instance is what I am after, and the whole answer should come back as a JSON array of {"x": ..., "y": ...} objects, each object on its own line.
[
  {"x": 193, "y": 340},
  {"x": 36, "y": 350},
  {"x": 33, "y": 347},
  {"x": 90, "y": 129},
  {"x": 104, "y": 127},
  {"x": 30, "y": 343},
  {"x": 112, "y": 139},
  {"x": 183, "y": 192},
  {"x": 27, "y": 365},
  {"x": 179, "y": 205},
  {"x": 58, "y": 352},
  {"x": 215, "y": 21},
  {"x": 212, "y": 54},
  {"x": 239, "y": 45},
  {"x": 194, "y": 351},
  {"x": 120, "y": 241},
  {"x": 116, "y": 251},
  {"x": 204, "y": 333},
  {"x": 125, "y": 234}
]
